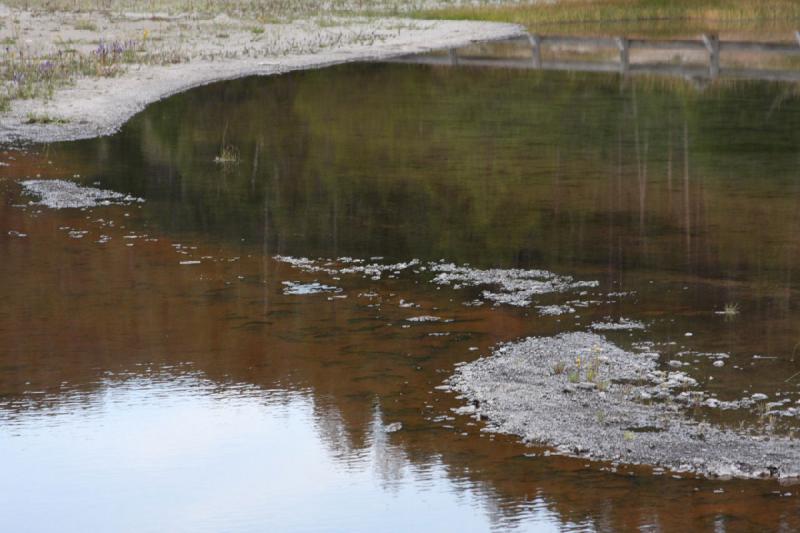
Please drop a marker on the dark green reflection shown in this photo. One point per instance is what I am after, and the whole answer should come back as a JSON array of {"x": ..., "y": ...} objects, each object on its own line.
[{"x": 490, "y": 167}]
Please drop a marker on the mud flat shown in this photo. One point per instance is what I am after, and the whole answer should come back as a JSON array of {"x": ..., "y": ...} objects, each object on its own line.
[
  {"x": 177, "y": 53},
  {"x": 587, "y": 397}
]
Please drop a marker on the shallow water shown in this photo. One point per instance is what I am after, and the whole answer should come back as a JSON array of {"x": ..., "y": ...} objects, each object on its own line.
[{"x": 156, "y": 373}]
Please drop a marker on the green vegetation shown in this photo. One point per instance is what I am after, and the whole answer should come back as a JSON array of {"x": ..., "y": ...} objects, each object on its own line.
[
  {"x": 593, "y": 371},
  {"x": 560, "y": 12},
  {"x": 25, "y": 75},
  {"x": 43, "y": 118},
  {"x": 615, "y": 11}
]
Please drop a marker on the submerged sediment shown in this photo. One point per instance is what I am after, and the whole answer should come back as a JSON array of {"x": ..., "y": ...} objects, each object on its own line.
[
  {"x": 587, "y": 397},
  {"x": 62, "y": 194},
  {"x": 582, "y": 394},
  {"x": 508, "y": 286}
]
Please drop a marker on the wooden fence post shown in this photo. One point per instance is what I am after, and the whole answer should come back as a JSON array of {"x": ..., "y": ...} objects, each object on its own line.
[
  {"x": 536, "y": 50},
  {"x": 453, "y": 55},
  {"x": 624, "y": 54},
  {"x": 712, "y": 45}
]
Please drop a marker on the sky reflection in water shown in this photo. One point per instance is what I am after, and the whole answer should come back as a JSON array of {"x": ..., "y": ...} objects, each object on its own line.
[{"x": 188, "y": 455}]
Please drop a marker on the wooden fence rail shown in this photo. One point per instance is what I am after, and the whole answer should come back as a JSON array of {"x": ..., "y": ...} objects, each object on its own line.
[{"x": 709, "y": 43}]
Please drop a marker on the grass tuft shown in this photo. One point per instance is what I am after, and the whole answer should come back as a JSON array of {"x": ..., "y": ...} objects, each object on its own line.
[
  {"x": 228, "y": 154},
  {"x": 43, "y": 118},
  {"x": 730, "y": 309}
]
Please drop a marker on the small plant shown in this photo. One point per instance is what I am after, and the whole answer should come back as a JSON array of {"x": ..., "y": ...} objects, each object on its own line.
[
  {"x": 629, "y": 435},
  {"x": 257, "y": 30},
  {"x": 573, "y": 377},
  {"x": 228, "y": 154},
  {"x": 559, "y": 367},
  {"x": 762, "y": 411},
  {"x": 730, "y": 309},
  {"x": 43, "y": 118},
  {"x": 109, "y": 53},
  {"x": 593, "y": 372}
]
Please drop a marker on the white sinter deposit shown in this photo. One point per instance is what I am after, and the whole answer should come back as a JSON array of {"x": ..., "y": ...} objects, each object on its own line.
[
  {"x": 61, "y": 194},
  {"x": 587, "y": 397},
  {"x": 510, "y": 286}
]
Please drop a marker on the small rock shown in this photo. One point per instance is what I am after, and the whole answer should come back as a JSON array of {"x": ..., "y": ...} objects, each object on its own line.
[{"x": 394, "y": 426}]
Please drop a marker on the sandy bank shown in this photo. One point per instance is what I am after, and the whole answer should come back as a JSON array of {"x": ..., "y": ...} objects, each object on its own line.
[{"x": 182, "y": 53}]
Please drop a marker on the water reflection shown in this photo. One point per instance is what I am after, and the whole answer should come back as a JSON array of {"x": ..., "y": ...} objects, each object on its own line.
[
  {"x": 451, "y": 165},
  {"x": 206, "y": 397},
  {"x": 178, "y": 453}
]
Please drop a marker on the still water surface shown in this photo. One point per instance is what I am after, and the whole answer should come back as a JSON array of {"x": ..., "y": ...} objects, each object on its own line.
[{"x": 156, "y": 375}]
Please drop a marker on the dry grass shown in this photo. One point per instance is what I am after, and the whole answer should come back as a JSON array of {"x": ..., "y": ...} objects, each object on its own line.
[{"x": 612, "y": 11}]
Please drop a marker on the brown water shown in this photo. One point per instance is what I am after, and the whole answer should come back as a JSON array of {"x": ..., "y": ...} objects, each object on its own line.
[{"x": 141, "y": 394}]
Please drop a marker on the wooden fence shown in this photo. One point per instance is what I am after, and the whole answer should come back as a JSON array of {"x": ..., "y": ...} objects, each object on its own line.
[{"x": 711, "y": 45}]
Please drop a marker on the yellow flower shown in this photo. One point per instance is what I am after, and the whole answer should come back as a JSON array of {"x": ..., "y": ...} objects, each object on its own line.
[{"x": 145, "y": 35}]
